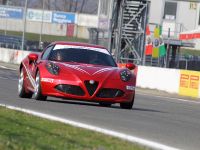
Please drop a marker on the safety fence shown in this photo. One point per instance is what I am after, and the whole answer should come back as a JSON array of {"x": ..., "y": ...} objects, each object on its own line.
[
  {"x": 186, "y": 62},
  {"x": 15, "y": 42}
]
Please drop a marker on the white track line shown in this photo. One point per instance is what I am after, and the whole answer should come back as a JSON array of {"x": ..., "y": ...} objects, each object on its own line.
[
  {"x": 168, "y": 98},
  {"x": 7, "y": 68},
  {"x": 8, "y": 79},
  {"x": 123, "y": 136}
]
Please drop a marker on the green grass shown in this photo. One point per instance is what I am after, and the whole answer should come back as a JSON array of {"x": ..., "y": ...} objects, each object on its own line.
[
  {"x": 45, "y": 38},
  {"x": 19, "y": 131}
]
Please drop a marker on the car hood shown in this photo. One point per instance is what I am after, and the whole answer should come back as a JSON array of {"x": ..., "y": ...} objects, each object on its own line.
[{"x": 89, "y": 71}]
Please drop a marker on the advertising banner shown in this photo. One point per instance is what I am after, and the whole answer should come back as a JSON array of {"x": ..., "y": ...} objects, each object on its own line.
[
  {"x": 11, "y": 13},
  {"x": 63, "y": 18},
  {"x": 36, "y": 15},
  {"x": 189, "y": 83}
]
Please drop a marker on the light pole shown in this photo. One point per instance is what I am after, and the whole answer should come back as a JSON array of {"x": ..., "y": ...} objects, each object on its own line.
[
  {"x": 24, "y": 24},
  {"x": 41, "y": 29},
  {"x": 6, "y": 20},
  {"x": 7, "y": 3}
]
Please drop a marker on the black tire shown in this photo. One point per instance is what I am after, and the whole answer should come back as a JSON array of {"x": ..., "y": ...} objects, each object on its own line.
[
  {"x": 105, "y": 104},
  {"x": 128, "y": 105},
  {"x": 21, "y": 89},
  {"x": 38, "y": 92}
]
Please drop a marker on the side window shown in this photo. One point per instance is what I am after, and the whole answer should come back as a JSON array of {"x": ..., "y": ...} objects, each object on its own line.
[{"x": 46, "y": 53}]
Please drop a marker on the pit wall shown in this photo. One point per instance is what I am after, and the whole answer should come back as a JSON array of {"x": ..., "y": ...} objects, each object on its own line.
[
  {"x": 173, "y": 81},
  {"x": 12, "y": 56}
]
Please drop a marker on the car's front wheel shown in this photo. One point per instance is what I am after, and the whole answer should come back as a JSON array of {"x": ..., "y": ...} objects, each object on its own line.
[
  {"x": 21, "y": 89},
  {"x": 38, "y": 92},
  {"x": 128, "y": 105}
]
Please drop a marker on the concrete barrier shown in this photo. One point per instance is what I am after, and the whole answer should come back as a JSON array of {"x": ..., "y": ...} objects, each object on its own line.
[
  {"x": 158, "y": 78},
  {"x": 176, "y": 81},
  {"x": 12, "y": 56}
]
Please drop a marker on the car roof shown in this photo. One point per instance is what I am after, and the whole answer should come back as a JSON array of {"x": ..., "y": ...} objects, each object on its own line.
[{"x": 77, "y": 44}]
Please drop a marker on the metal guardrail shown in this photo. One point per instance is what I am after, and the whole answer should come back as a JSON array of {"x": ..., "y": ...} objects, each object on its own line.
[
  {"x": 179, "y": 62},
  {"x": 14, "y": 42},
  {"x": 188, "y": 62}
]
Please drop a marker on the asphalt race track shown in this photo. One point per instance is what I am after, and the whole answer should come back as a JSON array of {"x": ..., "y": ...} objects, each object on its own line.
[{"x": 167, "y": 121}]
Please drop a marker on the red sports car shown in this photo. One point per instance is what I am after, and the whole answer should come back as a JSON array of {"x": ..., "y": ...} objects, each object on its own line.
[{"x": 77, "y": 71}]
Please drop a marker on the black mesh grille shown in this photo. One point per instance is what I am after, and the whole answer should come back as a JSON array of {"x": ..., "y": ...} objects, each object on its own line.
[
  {"x": 70, "y": 89},
  {"x": 91, "y": 87},
  {"x": 109, "y": 93}
]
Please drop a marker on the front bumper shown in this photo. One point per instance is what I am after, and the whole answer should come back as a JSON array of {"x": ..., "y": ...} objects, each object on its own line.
[{"x": 112, "y": 91}]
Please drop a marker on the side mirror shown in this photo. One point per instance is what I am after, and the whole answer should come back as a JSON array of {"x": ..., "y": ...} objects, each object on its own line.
[
  {"x": 33, "y": 57},
  {"x": 130, "y": 66}
]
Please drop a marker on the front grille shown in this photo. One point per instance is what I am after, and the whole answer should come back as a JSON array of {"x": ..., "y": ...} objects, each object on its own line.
[
  {"x": 109, "y": 93},
  {"x": 91, "y": 87},
  {"x": 70, "y": 89}
]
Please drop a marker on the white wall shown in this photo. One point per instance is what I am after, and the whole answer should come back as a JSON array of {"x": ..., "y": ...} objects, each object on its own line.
[
  {"x": 158, "y": 78},
  {"x": 33, "y": 27},
  {"x": 11, "y": 24},
  {"x": 187, "y": 16},
  {"x": 87, "y": 20},
  {"x": 156, "y": 11},
  {"x": 12, "y": 56},
  {"x": 82, "y": 32},
  {"x": 48, "y": 29},
  {"x": 198, "y": 13},
  {"x": 84, "y": 21}
]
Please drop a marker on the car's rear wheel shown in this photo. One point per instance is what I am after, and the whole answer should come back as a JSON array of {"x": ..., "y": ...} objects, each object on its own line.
[
  {"x": 38, "y": 91},
  {"x": 21, "y": 89},
  {"x": 105, "y": 104},
  {"x": 128, "y": 105}
]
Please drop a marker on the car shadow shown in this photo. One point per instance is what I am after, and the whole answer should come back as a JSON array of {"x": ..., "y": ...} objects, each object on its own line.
[
  {"x": 73, "y": 102},
  {"x": 148, "y": 110},
  {"x": 93, "y": 104}
]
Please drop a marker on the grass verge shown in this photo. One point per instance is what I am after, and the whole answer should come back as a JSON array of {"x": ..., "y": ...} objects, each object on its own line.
[
  {"x": 19, "y": 131},
  {"x": 45, "y": 38}
]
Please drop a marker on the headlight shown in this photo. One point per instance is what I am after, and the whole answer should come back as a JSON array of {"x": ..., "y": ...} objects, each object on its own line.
[
  {"x": 52, "y": 68},
  {"x": 125, "y": 75}
]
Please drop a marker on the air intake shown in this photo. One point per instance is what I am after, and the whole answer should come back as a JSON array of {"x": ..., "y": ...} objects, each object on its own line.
[{"x": 91, "y": 86}]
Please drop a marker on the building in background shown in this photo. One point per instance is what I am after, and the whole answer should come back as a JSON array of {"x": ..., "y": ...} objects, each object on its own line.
[
  {"x": 179, "y": 16},
  {"x": 81, "y": 6}
]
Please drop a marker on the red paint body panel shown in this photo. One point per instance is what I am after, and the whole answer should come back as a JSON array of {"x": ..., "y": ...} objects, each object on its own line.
[{"x": 76, "y": 74}]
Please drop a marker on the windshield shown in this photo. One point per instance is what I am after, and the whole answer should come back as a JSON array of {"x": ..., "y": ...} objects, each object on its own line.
[{"x": 82, "y": 56}]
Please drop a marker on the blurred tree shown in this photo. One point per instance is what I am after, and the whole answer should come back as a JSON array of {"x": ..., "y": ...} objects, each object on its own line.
[
  {"x": 76, "y": 6},
  {"x": 82, "y": 6},
  {"x": 4, "y": 2},
  {"x": 47, "y": 4}
]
